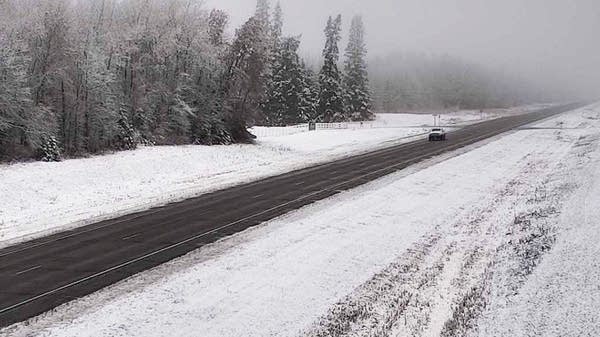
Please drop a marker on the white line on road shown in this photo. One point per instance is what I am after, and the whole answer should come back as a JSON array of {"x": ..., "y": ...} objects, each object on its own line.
[
  {"x": 112, "y": 222},
  {"x": 131, "y": 236},
  {"x": 80, "y": 232},
  {"x": 28, "y": 270},
  {"x": 307, "y": 196}
]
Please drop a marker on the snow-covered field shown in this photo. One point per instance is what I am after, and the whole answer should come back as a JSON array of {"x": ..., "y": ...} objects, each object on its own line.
[
  {"x": 508, "y": 249},
  {"x": 40, "y": 198},
  {"x": 422, "y": 119},
  {"x": 449, "y": 119}
]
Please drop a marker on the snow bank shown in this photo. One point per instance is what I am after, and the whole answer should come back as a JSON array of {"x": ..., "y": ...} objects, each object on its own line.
[{"x": 284, "y": 277}]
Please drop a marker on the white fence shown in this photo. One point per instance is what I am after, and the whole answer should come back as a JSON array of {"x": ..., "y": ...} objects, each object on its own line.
[
  {"x": 345, "y": 125},
  {"x": 276, "y": 131},
  {"x": 264, "y": 131}
]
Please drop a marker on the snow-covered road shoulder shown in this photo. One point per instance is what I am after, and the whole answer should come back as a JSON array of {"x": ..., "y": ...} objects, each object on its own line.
[
  {"x": 410, "y": 262},
  {"x": 41, "y": 198}
]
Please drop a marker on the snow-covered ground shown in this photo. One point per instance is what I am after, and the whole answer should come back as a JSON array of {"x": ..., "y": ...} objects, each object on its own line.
[
  {"x": 40, "y": 198},
  {"x": 422, "y": 119},
  {"x": 508, "y": 249},
  {"x": 449, "y": 119}
]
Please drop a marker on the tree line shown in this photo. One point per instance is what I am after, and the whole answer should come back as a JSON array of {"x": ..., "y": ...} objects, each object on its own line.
[{"x": 83, "y": 77}]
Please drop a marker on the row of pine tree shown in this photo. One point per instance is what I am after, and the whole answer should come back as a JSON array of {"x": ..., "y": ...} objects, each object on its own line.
[
  {"x": 83, "y": 77},
  {"x": 296, "y": 95}
]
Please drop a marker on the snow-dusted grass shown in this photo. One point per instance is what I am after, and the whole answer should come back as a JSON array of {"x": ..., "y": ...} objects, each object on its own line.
[
  {"x": 394, "y": 257},
  {"x": 40, "y": 198},
  {"x": 340, "y": 142},
  {"x": 561, "y": 294}
]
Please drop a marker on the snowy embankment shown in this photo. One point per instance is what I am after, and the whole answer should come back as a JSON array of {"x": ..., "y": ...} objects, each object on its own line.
[
  {"x": 41, "y": 198},
  {"x": 507, "y": 249}
]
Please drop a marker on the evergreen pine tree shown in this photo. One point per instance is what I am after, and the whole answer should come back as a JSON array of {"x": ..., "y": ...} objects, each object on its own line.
[
  {"x": 277, "y": 29},
  {"x": 262, "y": 14},
  {"x": 286, "y": 100},
  {"x": 311, "y": 94},
  {"x": 331, "y": 99},
  {"x": 289, "y": 98},
  {"x": 49, "y": 150},
  {"x": 356, "y": 81},
  {"x": 267, "y": 35},
  {"x": 293, "y": 85},
  {"x": 273, "y": 107},
  {"x": 126, "y": 140}
]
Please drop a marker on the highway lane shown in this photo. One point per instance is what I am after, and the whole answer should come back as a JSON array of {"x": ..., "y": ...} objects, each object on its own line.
[{"x": 39, "y": 275}]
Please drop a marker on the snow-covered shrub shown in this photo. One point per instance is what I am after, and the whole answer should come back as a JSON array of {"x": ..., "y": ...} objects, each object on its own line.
[
  {"x": 211, "y": 131},
  {"x": 126, "y": 140},
  {"x": 49, "y": 149}
]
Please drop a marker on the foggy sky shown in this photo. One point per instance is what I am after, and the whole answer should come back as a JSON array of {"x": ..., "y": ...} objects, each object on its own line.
[{"x": 554, "y": 42}]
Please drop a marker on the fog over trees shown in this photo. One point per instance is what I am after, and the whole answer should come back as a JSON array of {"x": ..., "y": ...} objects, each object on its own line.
[
  {"x": 548, "y": 43},
  {"x": 408, "y": 81},
  {"x": 81, "y": 77}
]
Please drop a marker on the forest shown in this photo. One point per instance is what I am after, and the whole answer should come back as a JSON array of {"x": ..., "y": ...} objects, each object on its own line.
[
  {"x": 89, "y": 76},
  {"x": 83, "y": 77}
]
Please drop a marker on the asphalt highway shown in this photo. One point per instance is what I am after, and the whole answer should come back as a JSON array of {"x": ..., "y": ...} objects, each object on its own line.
[{"x": 39, "y": 275}]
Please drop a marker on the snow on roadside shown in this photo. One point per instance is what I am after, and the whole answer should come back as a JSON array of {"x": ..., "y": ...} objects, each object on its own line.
[
  {"x": 455, "y": 118},
  {"x": 40, "y": 198},
  {"x": 561, "y": 296},
  {"x": 340, "y": 142},
  {"x": 416, "y": 120},
  {"x": 280, "y": 278},
  {"x": 477, "y": 266}
]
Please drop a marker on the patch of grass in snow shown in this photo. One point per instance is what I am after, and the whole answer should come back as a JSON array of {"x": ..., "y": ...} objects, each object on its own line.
[
  {"x": 537, "y": 237},
  {"x": 531, "y": 235},
  {"x": 400, "y": 297},
  {"x": 376, "y": 306},
  {"x": 469, "y": 308}
]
